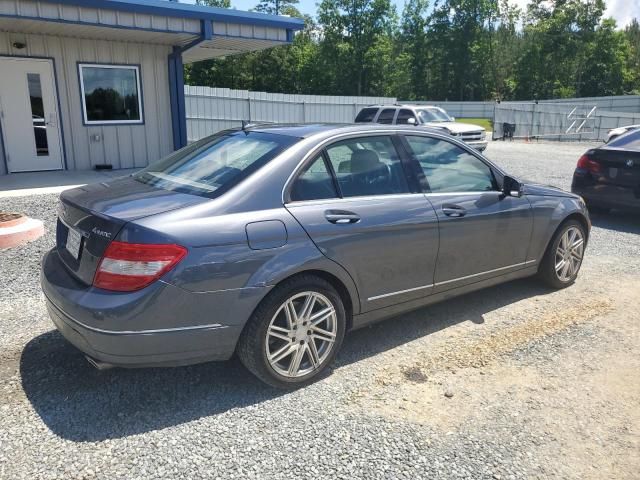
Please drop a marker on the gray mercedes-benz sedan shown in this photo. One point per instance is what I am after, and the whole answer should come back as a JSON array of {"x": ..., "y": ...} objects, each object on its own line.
[{"x": 273, "y": 241}]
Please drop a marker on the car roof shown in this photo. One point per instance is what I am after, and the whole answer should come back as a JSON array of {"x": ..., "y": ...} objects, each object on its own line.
[
  {"x": 308, "y": 130},
  {"x": 401, "y": 105}
]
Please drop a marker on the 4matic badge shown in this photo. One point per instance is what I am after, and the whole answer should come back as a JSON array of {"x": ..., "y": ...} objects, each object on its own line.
[{"x": 101, "y": 233}]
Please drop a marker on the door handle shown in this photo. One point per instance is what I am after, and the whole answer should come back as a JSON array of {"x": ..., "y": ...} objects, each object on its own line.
[
  {"x": 453, "y": 210},
  {"x": 341, "y": 217}
]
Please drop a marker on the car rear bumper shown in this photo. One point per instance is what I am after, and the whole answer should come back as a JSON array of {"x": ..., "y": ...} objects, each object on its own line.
[
  {"x": 161, "y": 325},
  {"x": 606, "y": 195}
]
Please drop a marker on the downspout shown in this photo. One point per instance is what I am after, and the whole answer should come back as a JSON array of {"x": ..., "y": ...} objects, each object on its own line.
[{"x": 176, "y": 85}]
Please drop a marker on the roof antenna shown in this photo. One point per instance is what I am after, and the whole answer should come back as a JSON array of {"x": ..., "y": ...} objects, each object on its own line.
[{"x": 245, "y": 124}]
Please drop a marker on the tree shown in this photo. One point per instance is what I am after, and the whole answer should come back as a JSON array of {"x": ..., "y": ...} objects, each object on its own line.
[
  {"x": 215, "y": 3},
  {"x": 279, "y": 7}
]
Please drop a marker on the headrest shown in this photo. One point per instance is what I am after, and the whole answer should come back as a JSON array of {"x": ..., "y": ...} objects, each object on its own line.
[{"x": 363, "y": 161}]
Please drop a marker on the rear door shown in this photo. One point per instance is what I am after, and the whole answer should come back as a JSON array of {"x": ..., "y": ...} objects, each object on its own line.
[
  {"x": 356, "y": 204},
  {"x": 482, "y": 232}
]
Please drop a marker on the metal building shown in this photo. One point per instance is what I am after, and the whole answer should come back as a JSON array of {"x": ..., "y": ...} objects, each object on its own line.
[{"x": 90, "y": 82}]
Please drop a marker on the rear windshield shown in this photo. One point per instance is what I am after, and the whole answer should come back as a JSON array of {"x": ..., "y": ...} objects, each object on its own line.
[
  {"x": 213, "y": 165},
  {"x": 630, "y": 141}
]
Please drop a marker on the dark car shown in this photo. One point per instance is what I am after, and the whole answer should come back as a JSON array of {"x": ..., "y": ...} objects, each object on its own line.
[
  {"x": 609, "y": 176},
  {"x": 274, "y": 241}
]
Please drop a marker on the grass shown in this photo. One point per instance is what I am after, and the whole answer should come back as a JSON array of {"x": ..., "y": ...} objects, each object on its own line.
[{"x": 486, "y": 123}]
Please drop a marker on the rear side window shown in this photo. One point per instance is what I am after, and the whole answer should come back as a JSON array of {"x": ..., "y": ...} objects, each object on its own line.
[
  {"x": 403, "y": 117},
  {"x": 367, "y": 166},
  {"x": 314, "y": 183},
  {"x": 215, "y": 164},
  {"x": 366, "y": 115},
  {"x": 386, "y": 116},
  {"x": 449, "y": 168},
  {"x": 630, "y": 140}
]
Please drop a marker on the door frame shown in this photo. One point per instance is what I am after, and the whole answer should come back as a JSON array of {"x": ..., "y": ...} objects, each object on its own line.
[{"x": 60, "y": 121}]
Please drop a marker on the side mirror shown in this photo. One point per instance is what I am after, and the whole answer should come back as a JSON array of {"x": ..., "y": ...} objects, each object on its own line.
[
  {"x": 512, "y": 187},
  {"x": 453, "y": 119},
  {"x": 411, "y": 121}
]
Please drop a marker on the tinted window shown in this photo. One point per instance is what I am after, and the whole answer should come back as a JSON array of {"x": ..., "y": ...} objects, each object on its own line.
[
  {"x": 314, "y": 183},
  {"x": 367, "y": 166},
  {"x": 403, "y": 116},
  {"x": 366, "y": 115},
  {"x": 449, "y": 168},
  {"x": 386, "y": 116},
  {"x": 111, "y": 93},
  {"x": 213, "y": 165},
  {"x": 630, "y": 140}
]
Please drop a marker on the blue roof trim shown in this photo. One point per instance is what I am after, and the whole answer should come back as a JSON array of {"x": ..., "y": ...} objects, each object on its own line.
[{"x": 184, "y": 10}]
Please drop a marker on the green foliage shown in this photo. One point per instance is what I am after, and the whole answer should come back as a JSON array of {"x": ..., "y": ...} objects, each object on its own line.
[{"x": 440, "y": 50}]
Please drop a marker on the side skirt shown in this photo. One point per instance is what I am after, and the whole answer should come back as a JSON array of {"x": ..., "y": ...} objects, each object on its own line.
[{"x": 374, "y": 316}]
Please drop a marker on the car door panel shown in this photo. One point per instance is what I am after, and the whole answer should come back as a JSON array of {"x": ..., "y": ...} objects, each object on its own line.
[
  {"x": 390, "y": 251},
  {"x": 489, "y": 239},
  {"x": 483, "y": 232}
]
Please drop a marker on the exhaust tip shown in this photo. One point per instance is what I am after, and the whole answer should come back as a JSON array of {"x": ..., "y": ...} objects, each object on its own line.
[{"x": 98, "y": 364}]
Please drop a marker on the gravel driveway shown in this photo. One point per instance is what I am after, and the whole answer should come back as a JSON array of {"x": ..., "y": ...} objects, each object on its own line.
[{"x": 515, "y": 381}]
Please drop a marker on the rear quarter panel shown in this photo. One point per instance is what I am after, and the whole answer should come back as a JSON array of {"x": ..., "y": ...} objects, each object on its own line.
[{"x": 223, "y": 257}]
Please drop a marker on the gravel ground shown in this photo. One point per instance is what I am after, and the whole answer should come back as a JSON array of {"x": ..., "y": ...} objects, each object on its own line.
[{"x": 515, "y": 381}]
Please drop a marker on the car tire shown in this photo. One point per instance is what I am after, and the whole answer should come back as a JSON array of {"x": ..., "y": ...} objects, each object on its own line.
[
  {"x": 563, "y": 247},
  {"x": 275, "y": 330}
]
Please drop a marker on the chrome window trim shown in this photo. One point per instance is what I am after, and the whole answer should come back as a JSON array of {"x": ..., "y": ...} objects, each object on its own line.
[
  {"x": 400, "y": 292},
  {"x": 374, "y": 133},
  {"x": 366, "y": 198}
]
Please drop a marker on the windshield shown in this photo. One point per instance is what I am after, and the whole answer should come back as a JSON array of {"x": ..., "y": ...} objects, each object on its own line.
[
  {"x": 213, "y": 165},
  {"x": 433, "y": 115}
]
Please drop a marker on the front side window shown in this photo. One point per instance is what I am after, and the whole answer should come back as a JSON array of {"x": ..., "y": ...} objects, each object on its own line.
[
  {"x": 367, "y": 166},
  {"x": 110, "y": 94},
  {"x": 403, "y": 117},
  {"x": 213, "y": 165},
  {"x": 449, "y": 168},
  {"x": 386, "y": 116}
]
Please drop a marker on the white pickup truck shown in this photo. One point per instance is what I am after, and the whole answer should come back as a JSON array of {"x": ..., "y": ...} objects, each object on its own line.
[{"x": 425, "y": 115}]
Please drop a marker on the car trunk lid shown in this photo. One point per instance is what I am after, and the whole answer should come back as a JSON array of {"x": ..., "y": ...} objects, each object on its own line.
[
  {"x": 618, "y": 166},
  {"x": 89, "y": 217}
]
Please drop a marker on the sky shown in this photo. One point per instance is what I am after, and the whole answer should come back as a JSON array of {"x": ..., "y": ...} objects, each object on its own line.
[{"x": 622, "y": 10}]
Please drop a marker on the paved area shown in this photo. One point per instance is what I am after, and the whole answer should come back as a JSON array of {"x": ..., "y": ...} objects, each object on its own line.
[{"x": 512, "y": 382}]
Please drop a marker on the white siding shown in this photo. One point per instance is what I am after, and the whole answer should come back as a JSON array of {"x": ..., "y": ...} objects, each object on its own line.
[
  {"x": 123, "y": 146},
  {"x": 210, "y": 110}
]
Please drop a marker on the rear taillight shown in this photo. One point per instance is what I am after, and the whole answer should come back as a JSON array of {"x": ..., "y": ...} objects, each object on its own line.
[
  {"x": 126, "y": 267},
  {"x": 587, "y": 163}
]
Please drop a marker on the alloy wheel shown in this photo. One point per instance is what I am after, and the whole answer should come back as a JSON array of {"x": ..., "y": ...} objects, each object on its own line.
[
  {"x": 301, "y": 334},
  {"x": 569, "y": 254}
]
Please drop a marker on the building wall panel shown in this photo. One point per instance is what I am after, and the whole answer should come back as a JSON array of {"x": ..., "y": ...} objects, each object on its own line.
[{"x": 123, "y": 146}]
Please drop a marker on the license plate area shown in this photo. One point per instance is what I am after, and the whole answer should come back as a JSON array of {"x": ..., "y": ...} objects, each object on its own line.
[{"x": 73, "y": 243}]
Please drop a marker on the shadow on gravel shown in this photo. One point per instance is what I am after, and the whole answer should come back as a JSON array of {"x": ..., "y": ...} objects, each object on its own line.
[
  {"x": 617, "y": 220},
  {"x": 79, "y": 403},
  {"x": 403, "y": 329}
]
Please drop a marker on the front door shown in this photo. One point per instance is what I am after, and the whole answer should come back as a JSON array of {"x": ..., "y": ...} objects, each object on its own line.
[
  {"x": 29, "y": 115},
  {"x": 483, "y": 233},
  {"x": 367, "y": 220}
]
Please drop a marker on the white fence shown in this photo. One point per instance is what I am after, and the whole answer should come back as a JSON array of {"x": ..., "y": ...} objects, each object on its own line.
[
  {"x": 623, "y": 103},
  {"x": 210, "y": 110}
]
